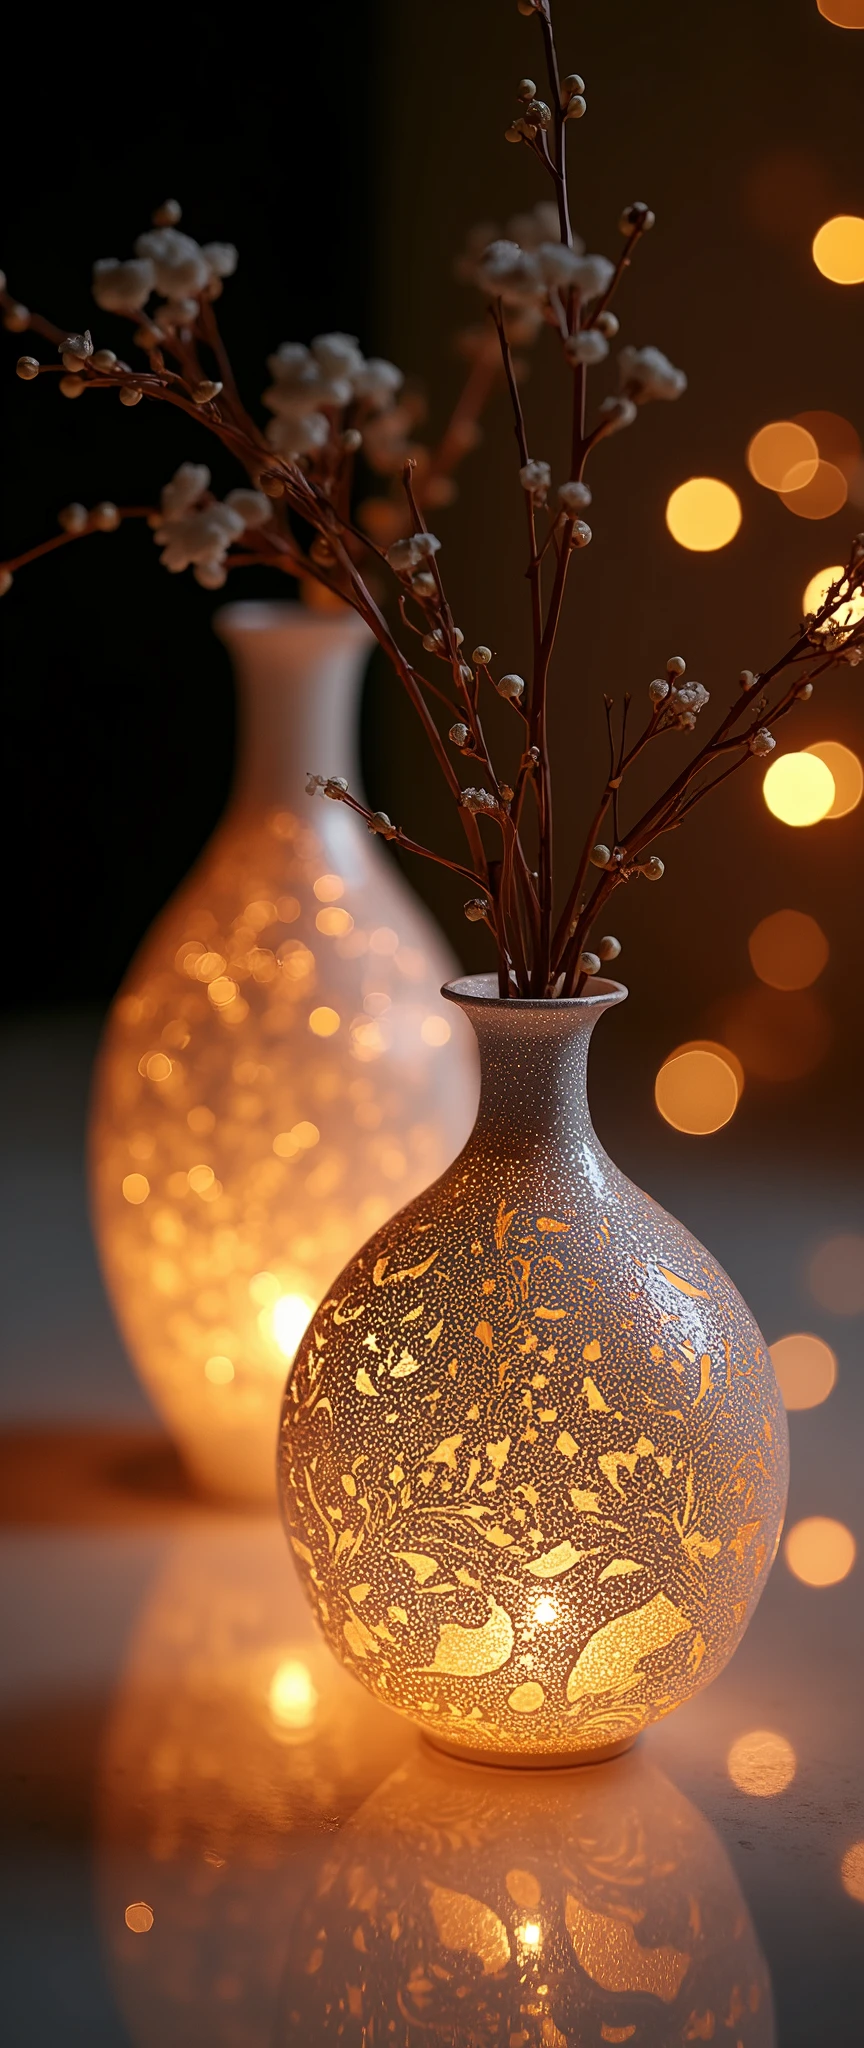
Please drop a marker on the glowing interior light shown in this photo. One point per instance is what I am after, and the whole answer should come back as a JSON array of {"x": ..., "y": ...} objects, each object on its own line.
[
  {"x": 329, "y": 888},
  {"x": 847, "y": 771},
  {"x": 703, "y": 514},
  {"x": 139, "y": 1917},
  {"x": 290, "y": 1317},
  {"x": 820, "y": 1551},
  {"x": 530, "y": 1934},
  {"x": 545, "y": 1610},
  {"x": 697, "y": 1091},
  {"x": 838, "y": 249},
  {"x": 292, "y": 1697},
  {"x": 219, "y": 1370},
  {"x": 788, "y": 949},
  {"x": 837, "y": 1274},
  {"x": 435, "y": 1031},
  {"x": 779, "y": 448},
  {"x": 799, "y": 789},
  {"x": 814, "y": 493},
  {"x": 136, "y": 1187},
  {"x": 761, "y": 1763},
  {"x": 324, "y": 1022},
  {"x": 805, "y": 1368},
  {"x": 852, "y": 1866}
]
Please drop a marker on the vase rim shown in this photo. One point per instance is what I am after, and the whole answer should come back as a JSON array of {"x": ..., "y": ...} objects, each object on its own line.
[
  {"x": 272, "y": 615},
  {"x": 482, "y": 990}
]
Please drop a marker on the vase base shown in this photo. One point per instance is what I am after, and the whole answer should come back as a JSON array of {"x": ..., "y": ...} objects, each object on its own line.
[{"x": 510, "y": 1760}]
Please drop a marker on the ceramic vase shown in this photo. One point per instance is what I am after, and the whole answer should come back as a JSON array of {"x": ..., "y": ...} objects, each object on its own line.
[
  {"x": 278, "y": 1072},
  {"x": 533, "y": 1455}
]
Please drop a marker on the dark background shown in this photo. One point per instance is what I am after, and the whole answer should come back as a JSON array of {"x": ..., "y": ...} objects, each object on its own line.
[{"x": 345, "y": 149}]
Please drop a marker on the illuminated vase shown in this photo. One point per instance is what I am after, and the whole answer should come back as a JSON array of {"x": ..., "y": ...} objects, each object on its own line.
[
  {"x": 463, "y": 1909},
  {"x": 533, "y": 1455},
  {"x": 278, "y": 1072}
]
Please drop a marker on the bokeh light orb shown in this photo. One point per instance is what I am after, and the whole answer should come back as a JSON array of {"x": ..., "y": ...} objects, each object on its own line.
[
  {"x": 799, "y": 789},
  {"x": 820, "y": 1551},
  {"x": 761, "y": 1763},
  {"x": 835, "y": 437},
  {"x": 814, "y": 493},
  {"x": 842, "y": 13},
  {"x": 778, "y": 449},
  {"x": 805, "y": 1369},
  {"x": 788, "y": 949},
  {"x": 838, "y": 249},
  {"x": 852, "y": 1866},
  {"x": 848, "y": 775},
  {"x": 703, "y": 514},
  {"x": 849, "y": 614},
  {"x": 837, "y": 1274},
  {"x": 697, "y": 1089}
]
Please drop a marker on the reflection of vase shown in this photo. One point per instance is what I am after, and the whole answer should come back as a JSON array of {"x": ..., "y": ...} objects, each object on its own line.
[
  {"x": 533, "y": 1456},
  {"x": 277, "y": 1073},
  {"x": 476, "y": 1909}
]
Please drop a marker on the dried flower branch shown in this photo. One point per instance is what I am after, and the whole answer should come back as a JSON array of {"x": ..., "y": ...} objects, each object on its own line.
[{"x": 337, "y": 418}]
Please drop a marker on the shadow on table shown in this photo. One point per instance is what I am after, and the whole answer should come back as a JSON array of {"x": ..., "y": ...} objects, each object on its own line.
[{"x": 91, "y": 1478}]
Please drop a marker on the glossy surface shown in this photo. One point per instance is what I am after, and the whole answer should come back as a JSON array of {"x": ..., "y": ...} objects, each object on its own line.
[
  {"x": 533, "y": 1454},
  {"x": 278, "y": 1072}
]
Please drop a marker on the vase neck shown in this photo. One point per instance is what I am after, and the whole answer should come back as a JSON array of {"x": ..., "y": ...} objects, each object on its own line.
[
  {"x": 299, "y": 674},
  {"x": 534, "y": 1067}
]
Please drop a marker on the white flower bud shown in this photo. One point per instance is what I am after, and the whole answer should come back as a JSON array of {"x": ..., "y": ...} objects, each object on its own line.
[
  {"x": 654, "y": 868},
  {"x": 580, "y": 534},
  {"x": 5, "y": 581},
  {"x": 618, "y": 412},
  {"x": 123, "y": 287},
  {"x": 572, "y": 83},
  {"x": 851, "y": 655},
  {"x": 589, "y": 963},
  {"x": 511, "y": 687},
  {"x": 423, "y": 584},
  {"x": 676, "y": 665},
  {"x": 608, "y": 323},
  {"x": 747, "y": 679},
  {"x": 477, "y": 800},
  {"x": 458, "y": 734},
  {"x": 475, "y": 909},
  {"x": 335, "y": 786},
  {"x": 535, "y": 478},
  {"x": 575, "y": 107},
  {"x": 379, "y": 822},
  {"x": 647, "y": 373},
  {"x": 208, "y": 389},
  {"x": 105, "y": 517},
  {"x": 481, "y": 657},
  {"x": 526, "y": 89},
  {"x": 168, "y": 214},
  {"x": 806, "y": 690},
  {"x": 72, "y": 387},
  {"x": 27, "y": 368},
  {"x": 210, "y": 575},
  {"x": 352, "y": 440},
  {"x": 130, "y": 394},
  {"x": 313, "y": 783},
  {"x": 600, "y": 856},
  {"x": 573, "y": 497},
  {"x": 104, "y": 359},
  {"x": 763, "y": 741},
  {"x": 253, "y": 506},
  {"x": 636, "y": 216},
  {"x": 658, "y": 690},
  {"x": 73, "y": 518},
  {"x": 609, "y": 948},
  {"x": 222, "y": 258},
  {"x": 589, "y": 347}
]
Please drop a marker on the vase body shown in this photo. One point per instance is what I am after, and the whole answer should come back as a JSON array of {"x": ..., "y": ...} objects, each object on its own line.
[
  {"x": 533, "y": 1456},
  {"x": 277, "y": 1074}
]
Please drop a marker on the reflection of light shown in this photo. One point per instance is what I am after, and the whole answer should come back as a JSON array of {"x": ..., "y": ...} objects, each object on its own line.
[
  {"x": 798, "y": 789},
  {"x": 837, "y": 1274},
  {"x": 805, "y": 1368},
  {"x": 136, "y": 1187},
  {"x": 838, "y": 249},
  {"x": 325, "y": 1021},
  {"x": 703, "y": 514},
  {"x": 530, "y": 1933},
  {"x": 696, "y": 1091},
  {"x": 222, "y": 991},
  {"x": 776, "y": 449},
  {"x": 200, "y": 1179},
  {"x": 335, "y": 924},
  {"x": 290, "y": 1316},
  {"x": 820, "y": 1551},
  {"x": 852, "y": 1866},
  {"x": 435, "y": 1030},
  {"x": 219, "y": 1370},
  {"x": 788, "y": 949},
  {"x": 844, "y": 766},
  {"x": 329, "y": 888},
  {"x": 761, "y": 1763},
  {"x": 545, "y": 1610},
  {"x": 292, "y": 1697},
  {"x": 139, "y": 1917},
  {"x": 814, "y": 494}
]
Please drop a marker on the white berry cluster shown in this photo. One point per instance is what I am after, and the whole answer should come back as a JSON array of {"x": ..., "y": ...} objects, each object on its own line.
[
  {"x": 195, "y": 530},
  {"x": 169, "y": 263},
  {"x": 310, "y": 385}
]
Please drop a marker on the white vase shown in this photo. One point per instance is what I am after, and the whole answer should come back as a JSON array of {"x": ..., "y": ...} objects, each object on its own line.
[{"x": 278, "y": 1073}]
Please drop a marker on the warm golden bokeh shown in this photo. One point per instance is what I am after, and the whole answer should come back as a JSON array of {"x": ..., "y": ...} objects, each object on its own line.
[
  {"x": 849, "y": 614},
  {"x": 139, "y": 1917},
  {"x": 838, "y": 249},
  {"x": 820, "y": 1551},
  {"x": 798, "y": 789},
  {"x": 777, "y": 449},
  {"x": 778, "y": 1034},
  {"x": 703, "y": 514},
  {"x": 814, "y": 493},
  {"x": 805, "y": 1369},
  {"x": 836, "y": 438},
  {"x": 848, "y": 775},
  {"x": 843, "y": 13},
  {"x": 837, "y": 1274},
  {"x": 292, "y": 1696},
  {"x": 852, "y": 1866},
  {"x": 788, "y": 949},
  {"x": 697, "y": 1089},
  {"x": 761, "y": 1763}
]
